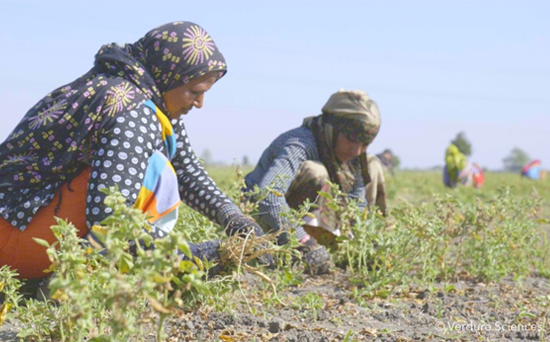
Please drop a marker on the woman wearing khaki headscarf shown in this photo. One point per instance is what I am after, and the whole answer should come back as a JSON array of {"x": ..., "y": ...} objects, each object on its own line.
[{"x": 330, "y": 146}]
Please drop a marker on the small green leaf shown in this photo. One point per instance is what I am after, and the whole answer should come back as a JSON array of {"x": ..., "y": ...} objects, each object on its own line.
[
  {"x": 184, "y": 247},
  {"x": 42, "y": 242}
]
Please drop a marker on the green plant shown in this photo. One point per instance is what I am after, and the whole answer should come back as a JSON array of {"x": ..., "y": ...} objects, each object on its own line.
[
  {"x": 111, "y": 294},
  {"x": 450, "y": 236},
  {"x": 9, "y": 293},
  {"x": 312, "y": 303},
  {"x": 432, "y": 238}
]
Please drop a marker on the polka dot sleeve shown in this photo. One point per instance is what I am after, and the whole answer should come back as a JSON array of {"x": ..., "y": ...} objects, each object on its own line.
[
  {"x": 121, "y": 159},
  {"x": 196, "y": 188}
]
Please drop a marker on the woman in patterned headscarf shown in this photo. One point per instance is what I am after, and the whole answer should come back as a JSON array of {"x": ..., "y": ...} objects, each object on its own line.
[
  {"x": 119, "y": 124},
  {"x": 330, "y": 146}
]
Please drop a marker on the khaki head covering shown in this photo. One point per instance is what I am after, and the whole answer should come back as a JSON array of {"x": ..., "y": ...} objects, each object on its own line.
[
  {"x": 349, "y": 112},
  {"x": 357, "y": 106}
]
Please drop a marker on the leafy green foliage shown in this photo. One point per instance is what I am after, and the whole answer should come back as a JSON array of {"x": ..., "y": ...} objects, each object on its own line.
[
  {"x": 310, "y": 303},
  {"x": 108, "y": 295},
  {"x": 432, "y": 235},
  {"x": 515, "y": 161},
  {"x": 463, "y": 143},
  {"x": 396, "y": 162}
]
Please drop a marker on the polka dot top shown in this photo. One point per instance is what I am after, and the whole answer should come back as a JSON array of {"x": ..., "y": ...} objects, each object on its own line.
[{"x": 119, "y": 156}]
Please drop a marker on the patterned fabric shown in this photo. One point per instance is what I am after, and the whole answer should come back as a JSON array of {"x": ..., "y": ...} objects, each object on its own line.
[
  {"x": 95, "y": 121},
  {"x": 278, "y": 167},
  {"x": 167, "y": 57},
  {"x": 354, "y": 114},
  {"x": 158, "y": 196}
]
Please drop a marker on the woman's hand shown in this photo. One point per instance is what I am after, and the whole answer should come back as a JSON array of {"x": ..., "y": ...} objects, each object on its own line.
[
  {"x": 206, "y": 250},
  {"x": 240, "y": 224}
]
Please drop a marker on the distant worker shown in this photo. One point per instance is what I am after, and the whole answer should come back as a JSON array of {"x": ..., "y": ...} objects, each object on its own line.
[
  {"x": 458, "y": 170},
  {"x": 533, "y": 170},
  {"x": 386, "y": 158}
]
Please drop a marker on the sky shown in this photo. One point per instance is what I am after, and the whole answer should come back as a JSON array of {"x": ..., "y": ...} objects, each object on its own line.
[{"x": 435, "y": 68}]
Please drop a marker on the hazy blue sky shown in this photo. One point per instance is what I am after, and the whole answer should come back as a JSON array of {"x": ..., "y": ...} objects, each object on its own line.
[{"x": 434, "y": 67}]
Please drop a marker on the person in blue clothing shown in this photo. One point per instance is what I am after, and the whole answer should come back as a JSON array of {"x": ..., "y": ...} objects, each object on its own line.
[
  {"x": 297, "y": 164},
  {"x": 533, "y": 170}
]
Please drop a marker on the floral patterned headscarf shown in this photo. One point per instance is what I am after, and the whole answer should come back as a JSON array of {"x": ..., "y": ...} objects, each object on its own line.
[
  {"x": 55, "y": 139},
  {"x": 166, "y": 58},
  {"x": 354, "y": 114}
]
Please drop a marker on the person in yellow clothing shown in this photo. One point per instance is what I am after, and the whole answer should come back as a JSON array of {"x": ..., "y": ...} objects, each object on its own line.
[
  {"x": 454, "y": 163},
  {"x": 458, "y": 170}
]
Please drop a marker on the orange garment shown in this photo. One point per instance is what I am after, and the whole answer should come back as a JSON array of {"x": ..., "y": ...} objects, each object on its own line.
[
  {"x": 479, "y": 176},
  {"x": 17, "y": 248}
]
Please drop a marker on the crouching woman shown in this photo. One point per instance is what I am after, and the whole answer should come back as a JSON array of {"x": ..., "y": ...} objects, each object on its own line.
[{"x": 298, "y": 164}]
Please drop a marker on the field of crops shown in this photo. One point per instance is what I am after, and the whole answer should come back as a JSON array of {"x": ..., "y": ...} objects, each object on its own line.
[{"x": 456, "y": 265}]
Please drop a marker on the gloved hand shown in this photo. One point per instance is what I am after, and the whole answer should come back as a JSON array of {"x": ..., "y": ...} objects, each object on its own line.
[
  {"x": 283, "y": 238},
  {"x": 206, "y": 250},
  {"x": 240, "y": 224},
  {"x": 316, "y": 257}
]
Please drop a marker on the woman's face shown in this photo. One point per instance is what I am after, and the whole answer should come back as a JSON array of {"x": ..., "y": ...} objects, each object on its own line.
[
  {"x": 346, "y": 149},
  {"x": 179, "y": 101}
]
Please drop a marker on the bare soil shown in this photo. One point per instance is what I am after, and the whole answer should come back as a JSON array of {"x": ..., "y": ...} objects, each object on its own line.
[{"x": 461, "y": 311}]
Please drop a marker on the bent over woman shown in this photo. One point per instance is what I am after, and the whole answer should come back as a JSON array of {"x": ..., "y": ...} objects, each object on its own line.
[
  {"x": 119, "y": 124},
  {"x": 458, "y": 170},
  {"x": 298, "y": 163}
]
